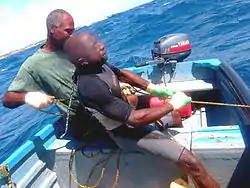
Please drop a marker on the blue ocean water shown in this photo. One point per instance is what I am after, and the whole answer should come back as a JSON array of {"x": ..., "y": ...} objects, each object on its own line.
[{"x": 216, "y": 28}]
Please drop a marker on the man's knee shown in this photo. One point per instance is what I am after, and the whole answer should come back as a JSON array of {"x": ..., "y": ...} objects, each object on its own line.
[{"x": 159, "y": 144}]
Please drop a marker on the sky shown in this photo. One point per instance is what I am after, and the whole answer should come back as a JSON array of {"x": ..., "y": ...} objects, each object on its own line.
[{"x": 23, "y": 21}]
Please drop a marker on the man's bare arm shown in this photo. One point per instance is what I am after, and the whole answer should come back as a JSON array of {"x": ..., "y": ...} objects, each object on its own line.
[
  {"x": 35, "y": 99},
  {"x": 146, "y": 116},
  {"x": 133, "y": 79},
  {"x": 13, "y": 99}
]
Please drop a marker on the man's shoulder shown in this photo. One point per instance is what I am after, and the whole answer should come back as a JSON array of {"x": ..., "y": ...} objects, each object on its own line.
[
  {"x": 89, "y": 79},
  {"x": 44, "y": 60},
  {"x": 115, "y": 69},
  {"x": 91, "y": 84},
  {"x": 33, "y": 60}
]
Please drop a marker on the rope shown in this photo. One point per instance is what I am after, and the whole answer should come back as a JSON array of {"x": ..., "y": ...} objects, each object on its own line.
[
  {"x": 208, "y": 103},
  {"x": 68, "y": 110},
  {"x": 194, "y": 102},
  {"x": 103, "y": 161},
  {"x": 51, "y": 113},
  {"x": 57, "y": 101},
  {"x": 11, "y": 184},
  {"x": 4, "y": 170},
  {"x": 221, "y": 104},
  {"x": 117, "y": 169}
]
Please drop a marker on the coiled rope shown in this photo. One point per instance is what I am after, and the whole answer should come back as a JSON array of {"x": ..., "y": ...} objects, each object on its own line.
[{"x": 100, "y": 162}]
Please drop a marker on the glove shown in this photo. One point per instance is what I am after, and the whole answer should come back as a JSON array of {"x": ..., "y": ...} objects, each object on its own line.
[
  {"x": 127, "y": 89},
  {"x": 38, "y": 99},
  {"x": 158, "y": 91},
  {"x": 179, "y": 99}
]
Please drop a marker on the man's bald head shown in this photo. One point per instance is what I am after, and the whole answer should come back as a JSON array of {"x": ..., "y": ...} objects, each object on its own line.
[{"x": 84, "y": 49}]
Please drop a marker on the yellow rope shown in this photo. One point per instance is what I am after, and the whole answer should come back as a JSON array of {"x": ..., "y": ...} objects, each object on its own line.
[
  {"x": 221, "y": 104},
  {"x": 194, "y": 102},
  {"x": 56, "y": 101},
  {"x": 207, "y": 103},
  {"x": 74, "y": 179},
  {"x": 103, "y": 161},
  {"x": 11, "y": 184},
  {"x": 4, "y": 170},
  {"x": 51, "y": 113},
  {"x": 92, "y": 155},
  {"x": 117, "y": 169}
]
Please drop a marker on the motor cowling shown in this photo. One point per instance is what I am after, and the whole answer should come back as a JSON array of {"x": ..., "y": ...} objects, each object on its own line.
[{"x": 172, "y": 47}]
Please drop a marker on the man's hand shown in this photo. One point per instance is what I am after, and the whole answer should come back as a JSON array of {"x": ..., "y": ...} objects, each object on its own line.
[
  {"x": 158, "y": 91},
  {"x": 127, "y": 89},
  {"x": 38, "y": 100},
  {"x": 179, "y": 99}
]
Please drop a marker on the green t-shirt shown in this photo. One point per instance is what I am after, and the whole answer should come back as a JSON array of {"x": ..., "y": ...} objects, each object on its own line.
[{"x": 50, "y": 72}]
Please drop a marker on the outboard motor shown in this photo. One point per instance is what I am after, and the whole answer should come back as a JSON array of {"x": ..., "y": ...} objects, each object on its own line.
[{"x": 173, "y": 47}]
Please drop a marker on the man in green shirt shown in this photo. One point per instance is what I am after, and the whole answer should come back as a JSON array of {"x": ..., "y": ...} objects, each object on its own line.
[{"x": 47, "y": 72}]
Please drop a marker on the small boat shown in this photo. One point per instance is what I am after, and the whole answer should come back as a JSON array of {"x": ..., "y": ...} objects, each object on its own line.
[{"x": 215, "y": 131}]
